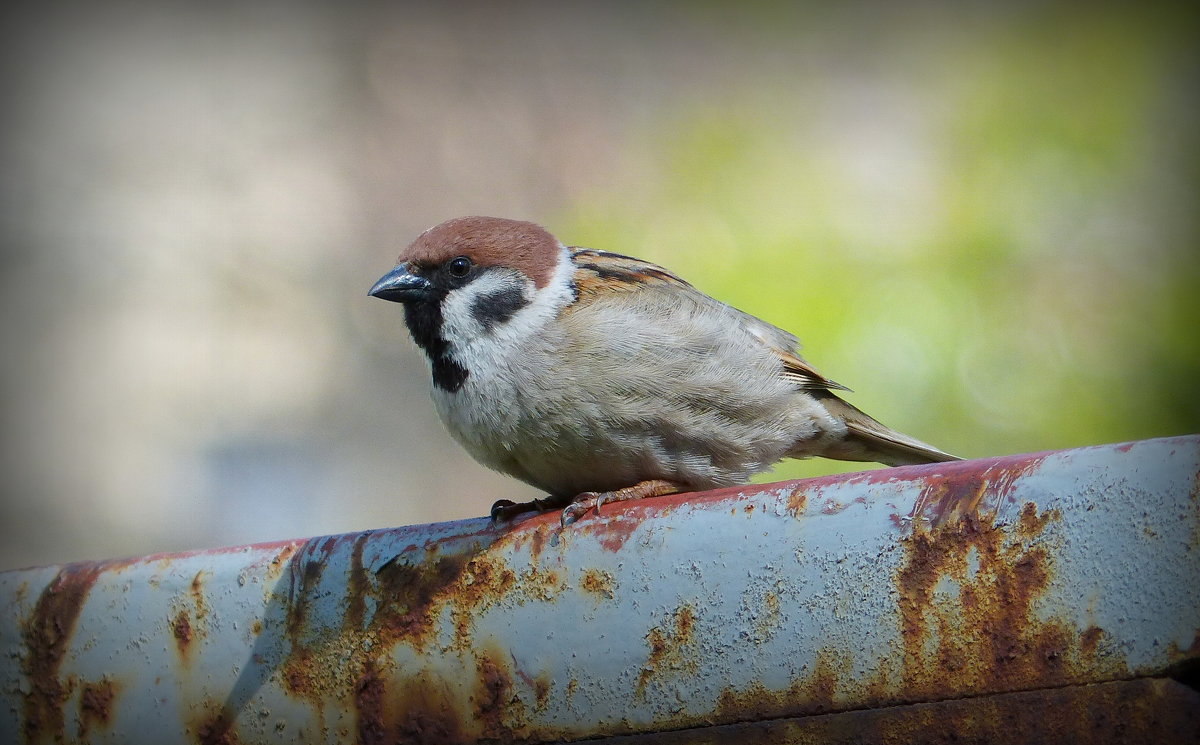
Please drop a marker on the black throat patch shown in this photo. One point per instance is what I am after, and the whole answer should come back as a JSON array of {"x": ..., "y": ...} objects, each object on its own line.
[{"x": 424, "y": 321}]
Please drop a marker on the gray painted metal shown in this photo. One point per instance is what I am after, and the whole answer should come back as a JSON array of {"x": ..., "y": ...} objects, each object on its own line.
[{"x": 893, "y": 586}]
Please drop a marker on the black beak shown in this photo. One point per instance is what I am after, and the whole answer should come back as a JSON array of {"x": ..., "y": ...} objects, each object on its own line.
[{"x": 401, "y": 286}]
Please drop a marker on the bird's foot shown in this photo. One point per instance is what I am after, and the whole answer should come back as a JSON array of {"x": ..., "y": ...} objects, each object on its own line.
[
  {"x": 589, "y": 500},
  {"x": 505, "y": 509}
]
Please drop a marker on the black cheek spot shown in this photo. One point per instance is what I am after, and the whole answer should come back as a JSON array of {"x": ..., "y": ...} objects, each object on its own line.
[{"x": 497, "y": 307}]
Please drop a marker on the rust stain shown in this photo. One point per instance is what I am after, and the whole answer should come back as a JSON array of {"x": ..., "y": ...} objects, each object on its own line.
[
  {"x": 306, "y": 576},
  {"x": 197, "y": 591},
  {"x": 769, "y": 616},
  {"x": 771, "y": 603},
  {"x": 814, "y": 692},
  {"x": 1089, "y": 640},
  {"x": 480, "y": 582},
  {"x": 281, "y": 559},
  {"x": 358, "y": 586},
  {"x": 323, "y": 662},
  {"x": 369, "y": 695},
  {"x": 958, "y": 491},
  {"x": 216, "y": 728},
  {"x": 301, "y": 673},
  {"x": 540, "y": 686},
  {"x": 497, "y": 708},
  {"x": 752, "y": 703},
  {"x": 419, "y": 713},
  {"x": 572, "y": 688},
  {"x": 967, "y": 591},
  {"x": 181, "y": 629},
  {"x": 598, "y": 582},
  {"x": 534, "y": 584},
  {"x": 819, "y": 688},
  {"x": 484, "y": 582},
  {"x": 797, "y": 501},
  {"x": 967, "y": 596},
  {"x": 410, "y": 592},
  {"x": 881, "y": 683},
  {"x": 95, "y": 705},
  {"x": 537, "y": 542},
  {"x": 1030, "y": 524},
  {"x": 1145, "y": 710},
  {"x": 47, "y": 634},
  {"x": 350, "y": 659},
  {"x": 541, "y": 690},
  {"x": 671, "y": 648}
]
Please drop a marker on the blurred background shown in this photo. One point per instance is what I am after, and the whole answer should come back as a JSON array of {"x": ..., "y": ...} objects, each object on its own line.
[{"x": 982, "y": 217}]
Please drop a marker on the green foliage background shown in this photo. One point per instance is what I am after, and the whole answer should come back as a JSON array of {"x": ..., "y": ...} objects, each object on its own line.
[{"x": 1008, "y": 266}]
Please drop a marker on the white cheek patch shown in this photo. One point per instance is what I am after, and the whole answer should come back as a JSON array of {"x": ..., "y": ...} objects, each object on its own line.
[
  {"x": 487, "y": 302},
  {"x": 495, "y": 314}
]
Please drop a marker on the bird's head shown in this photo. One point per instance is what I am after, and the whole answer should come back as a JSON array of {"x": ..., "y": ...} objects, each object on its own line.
[{"x": 466, "y": 279}]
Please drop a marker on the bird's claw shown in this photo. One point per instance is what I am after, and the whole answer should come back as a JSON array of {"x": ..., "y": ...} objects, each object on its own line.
[
  {"x": 503, "y": 510},
  {"x": 582, "y": 504}
]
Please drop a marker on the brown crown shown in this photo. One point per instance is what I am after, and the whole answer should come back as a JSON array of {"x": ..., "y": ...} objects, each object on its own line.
[{"x": 488, "y": 241}]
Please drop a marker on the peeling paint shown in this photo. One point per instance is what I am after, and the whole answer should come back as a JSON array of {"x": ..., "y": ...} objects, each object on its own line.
[{"x": 671, "y": 648}]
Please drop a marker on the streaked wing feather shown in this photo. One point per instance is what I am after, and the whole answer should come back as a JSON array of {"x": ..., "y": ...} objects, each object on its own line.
[
  {"x": 601, "y": 271},
  {"x": 797, "y": 369}
]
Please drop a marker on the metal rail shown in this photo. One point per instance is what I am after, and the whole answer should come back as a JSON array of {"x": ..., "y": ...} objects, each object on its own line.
[{"x": 1056, "y": 594}]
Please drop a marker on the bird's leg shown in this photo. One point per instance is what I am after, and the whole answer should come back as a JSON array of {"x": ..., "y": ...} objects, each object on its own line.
[
  {"x": 590, "y": 499},
  {"x": 504, "y": 509}
]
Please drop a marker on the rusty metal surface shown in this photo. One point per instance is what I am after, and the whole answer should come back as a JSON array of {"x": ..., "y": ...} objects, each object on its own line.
[
  {"x": 860, "y": 591},
  {"x": 1127, "y": 712}
]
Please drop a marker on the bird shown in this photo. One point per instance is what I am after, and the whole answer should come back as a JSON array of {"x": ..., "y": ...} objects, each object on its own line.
[{"x": 598, "y": 377}]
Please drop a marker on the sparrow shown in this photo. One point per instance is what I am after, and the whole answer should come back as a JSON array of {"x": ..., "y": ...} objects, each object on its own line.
[{"x": 597, "y": 377}]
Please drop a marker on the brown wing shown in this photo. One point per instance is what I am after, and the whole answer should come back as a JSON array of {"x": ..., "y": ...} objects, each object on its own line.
[{"x": 601, "y": 271}]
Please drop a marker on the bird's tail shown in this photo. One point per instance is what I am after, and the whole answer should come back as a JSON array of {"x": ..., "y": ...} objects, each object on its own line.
[{"x": 868, "y": 440}]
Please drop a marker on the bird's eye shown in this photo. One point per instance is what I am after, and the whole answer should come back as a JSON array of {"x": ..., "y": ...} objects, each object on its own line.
[{"x": 459, "y": 267}]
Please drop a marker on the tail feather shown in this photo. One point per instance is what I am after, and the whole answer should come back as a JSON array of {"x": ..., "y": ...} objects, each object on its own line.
[{"x": 868, "y": 440}]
